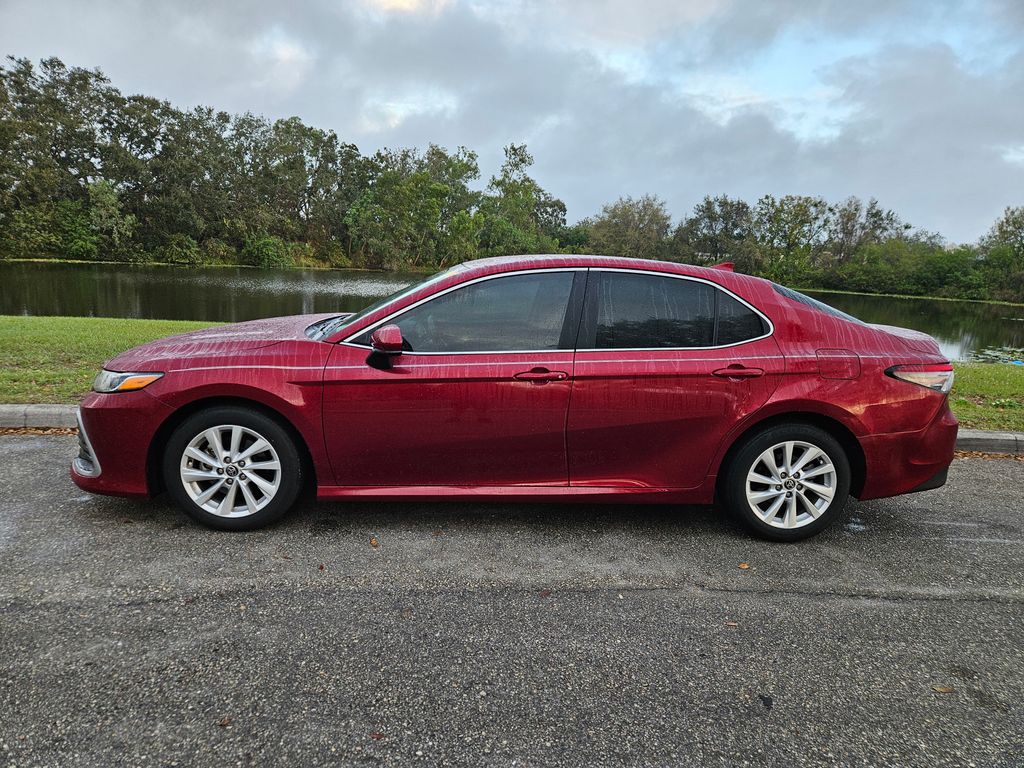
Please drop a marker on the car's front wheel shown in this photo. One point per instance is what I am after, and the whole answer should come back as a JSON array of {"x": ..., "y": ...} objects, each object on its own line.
[
  {"x": 787, "y": 482},
  {"x": 232, "y": 468}
]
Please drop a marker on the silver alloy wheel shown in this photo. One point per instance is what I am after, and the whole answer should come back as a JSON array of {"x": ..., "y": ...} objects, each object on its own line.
[
  {"x": 230, "y": 471},
  {"x": 791, "y": 484}
]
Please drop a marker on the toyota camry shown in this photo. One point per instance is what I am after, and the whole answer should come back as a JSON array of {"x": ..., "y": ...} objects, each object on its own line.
[{"x": 545, "y": 378}]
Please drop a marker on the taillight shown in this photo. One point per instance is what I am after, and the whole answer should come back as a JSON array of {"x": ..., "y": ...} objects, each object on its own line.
[{"x": 937, "y": 376}]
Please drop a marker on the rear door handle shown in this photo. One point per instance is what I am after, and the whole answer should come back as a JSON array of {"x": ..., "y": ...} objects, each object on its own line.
[
  {"x": 541, "y": 375},
  {"x": 736, "y": 371}
]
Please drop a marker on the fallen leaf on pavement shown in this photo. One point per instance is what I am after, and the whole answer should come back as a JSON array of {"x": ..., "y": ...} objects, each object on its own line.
[
  {"x": 943, "y": 689},
  {"x": 744, "y": 566},
  {"x": 224, "y": 722},
  {"x": 373, "y": 542},
  {"x": 376, "y": 735}
]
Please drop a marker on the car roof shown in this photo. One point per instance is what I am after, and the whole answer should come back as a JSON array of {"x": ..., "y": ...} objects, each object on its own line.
[{"x": 496, "y": 264}]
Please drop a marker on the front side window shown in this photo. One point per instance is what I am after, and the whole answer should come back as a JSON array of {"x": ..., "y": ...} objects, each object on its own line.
[
  {"x": 641, "y": 311},
  {"x": 502, "y": 314}
]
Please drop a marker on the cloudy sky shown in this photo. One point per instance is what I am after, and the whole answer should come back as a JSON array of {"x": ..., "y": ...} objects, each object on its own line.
[{"x": 917, "y": 103}]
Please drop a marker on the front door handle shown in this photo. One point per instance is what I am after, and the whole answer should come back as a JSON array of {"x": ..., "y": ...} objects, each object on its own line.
[
  {"x": 541, "y": 375},
  {"x": 736, "y": 371}
]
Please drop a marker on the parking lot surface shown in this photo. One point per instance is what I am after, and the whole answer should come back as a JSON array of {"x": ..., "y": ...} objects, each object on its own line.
[{"x": 509, "y": 635}]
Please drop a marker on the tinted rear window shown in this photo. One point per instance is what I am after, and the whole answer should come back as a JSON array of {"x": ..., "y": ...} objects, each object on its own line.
[
  {"x": 643, "y": 311},
  {"x": 736, "y": 321}
]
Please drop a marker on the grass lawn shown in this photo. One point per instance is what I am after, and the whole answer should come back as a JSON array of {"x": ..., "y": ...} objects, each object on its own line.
[
  {"x": 989, "y": 396},
  {"x": 54, "y": 359}
]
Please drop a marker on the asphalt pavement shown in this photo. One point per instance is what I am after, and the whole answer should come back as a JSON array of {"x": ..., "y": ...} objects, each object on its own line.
[{"x": 508, "y": 635}]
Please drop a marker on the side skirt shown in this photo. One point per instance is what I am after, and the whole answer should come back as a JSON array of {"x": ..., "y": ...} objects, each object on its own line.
[{"x": 522, "y": 493}]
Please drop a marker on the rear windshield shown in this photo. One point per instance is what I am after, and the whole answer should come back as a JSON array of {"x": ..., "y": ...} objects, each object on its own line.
[{"x": 821, "y": 306}]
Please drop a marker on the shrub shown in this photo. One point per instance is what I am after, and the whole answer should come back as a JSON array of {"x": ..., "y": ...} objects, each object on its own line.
[
  {"x": 301, "y": 254},
  {"x": 267, "y": 252},
  {"x": 216, "y": 251},
  {"x": 181, "y": 249},
  {"x": 332, "y": 254}
]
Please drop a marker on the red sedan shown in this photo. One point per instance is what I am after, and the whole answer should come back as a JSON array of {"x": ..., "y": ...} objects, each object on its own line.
[{"x": 533, "y": 378}]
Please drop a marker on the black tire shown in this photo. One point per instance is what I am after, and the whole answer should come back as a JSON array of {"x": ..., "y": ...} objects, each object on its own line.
[
  {"x": 290, "y": 479},
  {"x": 733, "y": 488}
]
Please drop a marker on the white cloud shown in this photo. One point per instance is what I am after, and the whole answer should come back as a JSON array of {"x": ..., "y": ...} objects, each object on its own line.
[
  {"x": 383, "y": 114},
  {"x": 280, "y": 62},
  {"x": 408, "y": 6},
  {"x": 1014, "y": 154}
]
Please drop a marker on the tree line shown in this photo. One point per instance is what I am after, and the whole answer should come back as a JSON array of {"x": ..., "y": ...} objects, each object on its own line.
[{"x": 88, "y": 173}]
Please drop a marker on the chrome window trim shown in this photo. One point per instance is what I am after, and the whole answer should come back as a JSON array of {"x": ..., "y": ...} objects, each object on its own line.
[{"x": 771, "y": 326}]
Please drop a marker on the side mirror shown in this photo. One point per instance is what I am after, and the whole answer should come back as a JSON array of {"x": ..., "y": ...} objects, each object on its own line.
[{"x": 387, "y": 340}]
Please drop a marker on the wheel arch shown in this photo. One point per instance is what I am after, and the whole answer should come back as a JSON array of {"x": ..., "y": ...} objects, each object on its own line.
[
  {"x": 833, "y": 426},
  {"x": 155, "y": 454}
]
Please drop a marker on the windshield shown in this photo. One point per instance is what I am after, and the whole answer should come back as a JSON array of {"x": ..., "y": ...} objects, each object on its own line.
[{"x": 340, "y": 323}]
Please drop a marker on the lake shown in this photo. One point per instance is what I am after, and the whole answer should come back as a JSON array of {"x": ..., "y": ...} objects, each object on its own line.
[{"x": 233, "y": 294}]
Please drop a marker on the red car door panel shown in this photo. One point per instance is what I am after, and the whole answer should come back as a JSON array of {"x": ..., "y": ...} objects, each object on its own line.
[
  {"x": 447, "y": 419},
  {"x": 654, "y": 418}
]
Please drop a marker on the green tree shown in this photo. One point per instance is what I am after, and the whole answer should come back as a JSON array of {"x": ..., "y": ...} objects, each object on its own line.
[
  {"x": 180, "y": 249},
  {"x": 1002, "y": 256},
  {"x": 516, "y": 210},
  {"x": 112, "y": 227},
  {"x": 720, "y": 229},
  {"x": 87, "y": 172},
  {"x": 637, "y": 228},
  {"x": 852, "y": 225},
  {"x": 791, "y": 233},
  {"x": 267, "y": 252}
]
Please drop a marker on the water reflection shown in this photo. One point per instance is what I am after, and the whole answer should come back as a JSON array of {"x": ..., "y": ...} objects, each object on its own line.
[
  {"x": 230, "y": 294},
  {"x": 170, "y": 293}
]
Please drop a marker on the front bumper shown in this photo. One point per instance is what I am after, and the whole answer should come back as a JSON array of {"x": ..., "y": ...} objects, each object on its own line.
[
  {"x": 907, "y": 462},
  {"x": 115, "y": 433}
]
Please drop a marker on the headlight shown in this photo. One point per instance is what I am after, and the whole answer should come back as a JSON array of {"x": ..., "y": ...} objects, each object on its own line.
[{"x": 113, "y": 381}]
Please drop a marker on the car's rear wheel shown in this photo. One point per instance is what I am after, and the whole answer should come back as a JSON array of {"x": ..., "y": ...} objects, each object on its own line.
[
  {"x": 232, "y": 468},
  {"x": 788, "y": 482}
]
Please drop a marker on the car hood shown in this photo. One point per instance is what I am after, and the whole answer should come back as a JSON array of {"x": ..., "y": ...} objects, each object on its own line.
[
  {"x": 217, "y": 341},
  {"x": 915, "y": 340}
]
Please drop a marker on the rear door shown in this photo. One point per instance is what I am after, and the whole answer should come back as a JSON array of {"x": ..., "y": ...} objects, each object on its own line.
[{"x": 665, "y": 366}]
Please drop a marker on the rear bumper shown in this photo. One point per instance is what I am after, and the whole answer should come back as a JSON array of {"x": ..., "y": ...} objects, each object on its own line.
[
  {"x": 115, "y": 433},
  {"x": 907, "y": 462},
  {"x": 935, "y": 481}
]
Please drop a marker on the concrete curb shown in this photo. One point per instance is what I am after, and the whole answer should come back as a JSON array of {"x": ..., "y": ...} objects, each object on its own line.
[
  {"x": 990, "y": 442},
  {"x": 40, "y": 416},
  {"x": 43, "y": 416}
]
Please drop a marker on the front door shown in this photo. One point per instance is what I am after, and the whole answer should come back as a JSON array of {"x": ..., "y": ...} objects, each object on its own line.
[{"x": 479, "y": 397}]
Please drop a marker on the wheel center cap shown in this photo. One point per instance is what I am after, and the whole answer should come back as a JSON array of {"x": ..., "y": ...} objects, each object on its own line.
[
  {"x": 789, "y": 484},
  {"x": 230, "y": 470}
]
